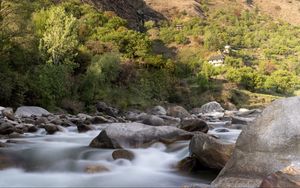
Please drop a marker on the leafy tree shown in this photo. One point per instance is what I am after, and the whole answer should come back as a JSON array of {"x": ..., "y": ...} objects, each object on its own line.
[{"x": 59, "y": 34}]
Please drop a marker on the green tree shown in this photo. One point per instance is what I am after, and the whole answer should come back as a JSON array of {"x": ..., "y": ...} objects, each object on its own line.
[{"x": 59, "y": 34}]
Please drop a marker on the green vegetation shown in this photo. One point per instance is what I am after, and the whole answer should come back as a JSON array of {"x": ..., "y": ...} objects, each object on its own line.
[{"x": 57, "y": 52}]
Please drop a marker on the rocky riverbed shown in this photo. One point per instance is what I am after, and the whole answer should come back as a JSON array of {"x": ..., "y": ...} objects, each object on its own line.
[{"x": 160, "y": 147}]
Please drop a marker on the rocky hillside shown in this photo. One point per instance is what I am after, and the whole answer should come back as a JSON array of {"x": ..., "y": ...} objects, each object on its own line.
[{"x": 286, "y": 10}]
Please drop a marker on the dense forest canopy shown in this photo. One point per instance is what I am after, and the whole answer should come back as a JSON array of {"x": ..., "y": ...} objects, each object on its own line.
[{"x": 70, "y": 54}]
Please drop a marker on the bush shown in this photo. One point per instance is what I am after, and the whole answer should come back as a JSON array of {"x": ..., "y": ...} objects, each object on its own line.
[
  {"x": 52, "y": 83},
  {"x": 282, "y": 81}
]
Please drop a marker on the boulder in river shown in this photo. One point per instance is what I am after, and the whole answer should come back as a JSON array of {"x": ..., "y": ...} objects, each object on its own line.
[
  {"x": 210, "y": 152},
  {"x": 104, "y": 108},
  {"x": 151, "y": 120},
  {"x": 178, "y": 111},
  {"x": 123, "y": 154},
  {"x": 288, "y": 177},
  {"x": 267, "y": 146},
  {"x": 193, "y": 125},
  {"x": 51, "y": 128},
  {"x": 28, "y": 111},
  {"x": 158, "y": 110},
  {"x": 9, "y": 113},
  {"x": 211, "y": 107},
  {"x": 6, "y": 128},
  {"x": 136, "y": 135}
]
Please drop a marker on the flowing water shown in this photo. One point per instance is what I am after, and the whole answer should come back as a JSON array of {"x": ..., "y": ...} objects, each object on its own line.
[{"x": 62, "y": 160}]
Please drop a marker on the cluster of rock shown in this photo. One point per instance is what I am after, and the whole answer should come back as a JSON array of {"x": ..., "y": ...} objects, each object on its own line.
[
  {"x": 28, "y": 119},
  {"x": 266, "y": 154}
]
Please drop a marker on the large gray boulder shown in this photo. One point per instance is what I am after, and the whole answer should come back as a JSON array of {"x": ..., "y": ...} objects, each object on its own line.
[
  {"x": 209, "y": 151},
  {"x": 134, "y": 135},
  {"x": 265, "y": 147},
  {"x": 211, "y": 107},
  {"x": 28, "y": 111},
  {"x": 178, "y": 112}
]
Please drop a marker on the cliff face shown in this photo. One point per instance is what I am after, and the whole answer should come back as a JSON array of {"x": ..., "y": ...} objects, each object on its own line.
[{"x": 135, "y": 11}]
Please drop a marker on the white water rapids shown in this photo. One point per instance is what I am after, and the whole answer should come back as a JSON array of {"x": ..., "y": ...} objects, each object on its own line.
[{"x": 61, "y": 160}]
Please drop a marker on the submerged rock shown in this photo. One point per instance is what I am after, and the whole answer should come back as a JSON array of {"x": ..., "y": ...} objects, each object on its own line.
[
  {"x": 123, "y": 154},
  {"x": 137, "y": 135},
  {"x": 28, "y": 111},
  {"x": 92, "y": 169},
  {"x": 210, "y": 152},
  {"x": 265, "y": 147}
]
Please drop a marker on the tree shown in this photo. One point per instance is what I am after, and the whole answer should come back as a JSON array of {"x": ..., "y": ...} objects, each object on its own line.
[{"x": 59, "y": 34}]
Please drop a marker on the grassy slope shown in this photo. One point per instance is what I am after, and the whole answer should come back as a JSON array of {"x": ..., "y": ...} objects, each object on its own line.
[{"x": 224, "y": 92}]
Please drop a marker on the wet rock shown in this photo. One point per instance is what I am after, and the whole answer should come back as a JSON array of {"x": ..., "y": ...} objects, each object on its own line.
[
  {"x": 41, "y": 120},
  {"x": 196, "y": 111},
  {"x": 28, "y": 120},
  {"x": 189, "y": 164},
  {"x": 151, "y": 120},
  {"x": 6, "y": 162},
  {"x": 92, "y": 169},
  {"x": 32, "y": 128},
  {"x": 123, "y": 154},
  {"x": 242, "y": 120},
  {"x": 158, "y": 110},
  {"x": 170, "y": 121},
  {"x": 84, "y": 116},
  {"x": 15, "y": 135},
  {"x": 7, "y": 128},
  {"x": 21, "y": 128},
  {"x": 268, "y": 145},
  {"x": 193, "y": 125},
  {"x": 209, "y": 151},
  {"x": 105, "y": 141},
  {"x": 137, "y": 135},
  {"x": 82, "y": 127},
  {"x": 2, "y": 145},
  {"x": 178, "y": 111},
  {"x": 9, "y": 113},
  {"x": 104, "y": 108},
  {"x": 288, "y": 177},
  {"x": 100, "y": 120},
  {"x": 28, "y": 111},
  {"x": 51, "y": 128},
  {"x": 67, "y": 123},
  {"x": 211, "y": 107}
]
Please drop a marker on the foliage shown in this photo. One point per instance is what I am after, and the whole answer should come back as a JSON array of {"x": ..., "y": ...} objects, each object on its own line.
[{"x": 59, "y": 37}]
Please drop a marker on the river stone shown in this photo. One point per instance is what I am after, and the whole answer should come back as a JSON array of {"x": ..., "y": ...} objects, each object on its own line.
[
  {"x": 210, "y": 152},
  {"x": 193, "y": 125},
  {"x": 123, "y": 154},
  {"x": 92, "y": 169},
  {"x": 211, "y": 107},
  {"x": 242, "y": 120},
  {"x": 152, "y": 120},
  {"x": 104, "y": 108},
  {"x": 9, "y": 113},
  {"x": 28, "y": 111},
  {"x": 178, "y": 112},
  {"x": 137, "y": 135},
  {"x": 158, "y": 110},
  {"x": 6, "y": 128},
  {"x": 265, "y": 147},
  {"x": 288, "y": 177},
  {"x": 51, "y": 128}
]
